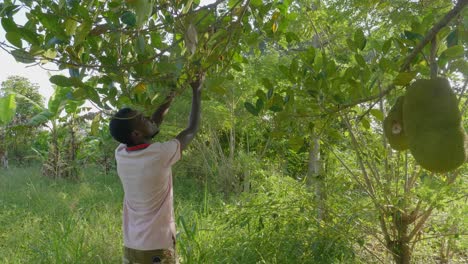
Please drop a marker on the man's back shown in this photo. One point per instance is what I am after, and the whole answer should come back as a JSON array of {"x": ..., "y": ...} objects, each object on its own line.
[{"x": 146, "y": 175}]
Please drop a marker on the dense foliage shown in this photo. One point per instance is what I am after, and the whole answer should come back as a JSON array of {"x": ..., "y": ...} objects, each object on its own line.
[{"x": 291, "y": 164}]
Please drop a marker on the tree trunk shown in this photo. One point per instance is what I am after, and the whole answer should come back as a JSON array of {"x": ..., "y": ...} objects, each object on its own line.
[
  {"x": 314, "y": 178},
  {"x": 401, "y": 245}
]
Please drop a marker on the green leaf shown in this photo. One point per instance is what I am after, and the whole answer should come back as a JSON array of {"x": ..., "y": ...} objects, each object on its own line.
[
  {"x": 267, "y": 83},
  {"x": 29, "y": 36},
  {"x": 7, "y": 108},
  {"x": 259, "y": 104},
  {"x": 14, "y": 38},
  {"x": 452, "y": 38},
  {"x": 70, "y": 27},
  {"x": 82, "y": 32},
  {"x": 277, "y": 103},
  {"x": 377, "y": 114},
  {"x": 187, "y": 6},
  {"x": 270, "y": 93},
  {"x": 413, "y": 36},
  {"x": 351, "y": 44},
  {"x": 95, "y": 125},
  {"x": 128, "y": 18},
  {"x": 454, "y": 52},
  {"x": 41, "y": 118},
  {"x": 360, "y": 39},
  {"x": 61, "y": 80},
  {"x": 141, "y": 44},
  {"x": 9, "y": 25},
  {"x": 365, "y": 123},
  {"x": 251, "y": 108},
  {"x": 386, "y": 46},
  {"x": 404, "y": 78},
  {"x": 360, "y": 60},
  {"x": 22, "y": 56}
]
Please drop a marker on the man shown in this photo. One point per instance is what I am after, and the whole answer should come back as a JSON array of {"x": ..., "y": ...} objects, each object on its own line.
[{"x": 144, "y": 169}]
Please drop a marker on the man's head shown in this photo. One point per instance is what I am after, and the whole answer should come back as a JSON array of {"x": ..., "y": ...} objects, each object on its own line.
[{"x": 131, "y": 127}]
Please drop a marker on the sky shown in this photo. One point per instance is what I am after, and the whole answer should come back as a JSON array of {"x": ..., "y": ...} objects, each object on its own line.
[
  {"x": 36, "y": 74},
  {"x": 9, "y": 66}
]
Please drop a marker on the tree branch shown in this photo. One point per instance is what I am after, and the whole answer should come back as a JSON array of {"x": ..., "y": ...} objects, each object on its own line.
[
  {"x": 433, "y": 31},
  {"x": 409, "y": 59}
]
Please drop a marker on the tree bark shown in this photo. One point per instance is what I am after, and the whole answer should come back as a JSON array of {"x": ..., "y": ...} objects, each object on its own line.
[{"x": 315, "y": 180}]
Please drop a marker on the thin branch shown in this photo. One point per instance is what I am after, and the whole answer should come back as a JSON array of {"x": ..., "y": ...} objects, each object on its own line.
[
  {"x": 433, "y": 32},
  {"x": 421, "y": 223}
]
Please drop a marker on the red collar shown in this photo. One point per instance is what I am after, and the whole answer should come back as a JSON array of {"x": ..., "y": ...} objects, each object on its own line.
[{"x": 138, "y": 147}]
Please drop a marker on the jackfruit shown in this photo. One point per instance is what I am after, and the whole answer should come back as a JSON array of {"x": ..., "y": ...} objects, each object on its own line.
[
  {"x": 393, "y": 126},
  {"x": 432, "y": 123}
]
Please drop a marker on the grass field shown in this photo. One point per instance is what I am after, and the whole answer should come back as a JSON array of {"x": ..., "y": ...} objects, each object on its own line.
[
  {"x": 59, "y": 221},
  {"x": 46, "y": 221}
]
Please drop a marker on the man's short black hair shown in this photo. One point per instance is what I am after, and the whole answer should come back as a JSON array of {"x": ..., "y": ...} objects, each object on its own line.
[{"x": 121, "y": 125}]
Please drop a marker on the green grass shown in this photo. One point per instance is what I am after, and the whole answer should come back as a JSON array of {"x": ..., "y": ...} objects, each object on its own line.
[{"x": 46, "y": 221}]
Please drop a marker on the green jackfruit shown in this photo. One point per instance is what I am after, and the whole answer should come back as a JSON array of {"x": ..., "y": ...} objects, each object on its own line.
[
  {"x": 393, "y": 126},
  {"x": 432, "y": 123}
]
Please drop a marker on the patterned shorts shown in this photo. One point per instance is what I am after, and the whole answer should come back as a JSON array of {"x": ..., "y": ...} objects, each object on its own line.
[{"x": 158, "y": 256}]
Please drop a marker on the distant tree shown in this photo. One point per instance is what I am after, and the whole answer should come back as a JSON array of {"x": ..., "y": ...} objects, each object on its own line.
[{"x": 18, "y": 135}]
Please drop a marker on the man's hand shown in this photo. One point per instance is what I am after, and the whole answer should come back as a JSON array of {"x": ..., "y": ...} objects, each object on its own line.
[
  {"x": 159, "y": 114},
  {"x": 197, "y": 84}
]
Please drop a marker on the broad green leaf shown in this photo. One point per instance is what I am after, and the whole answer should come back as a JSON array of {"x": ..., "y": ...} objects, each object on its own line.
[
  {"x": 82, "y": 32},
  {"x": 413, "y": 36},
  {"x": 351, "y": 44},
  {"x": 70, "y": 27},
  {"x": 259, "y": 104},
  {"x": 360, "y": 60},
  {"x": 377, "y": 114},
  {"x": 8, "y": 24},
  {"x": 386, "y": 46},
  {"x": 296, "y": 142},
  {"x": 187, "y": 6},
  {"x": 143, "y": 10},
  {"x": 41, "y": 118},
  {"x": 22, "y": 56},
  {"x": 30, "y": 36},
  {"x": 61, "y": 80},
  {"x": 256, "y": 3},
  {"x": 360, "y": 39},
  {"x": 365, "y": 123},
  {"x": 452, "y": 38},
  {"x": 293, "y": 67},
  {"x": 14, "y": 38},
  {"x": 49, "y": 54},
  {"x": 251, "y": 108},
  {"x": 95, "y": 125},
  {"x": 7, "y": 108},
  {"x": 454, "y": 52},
  {"x": 261, "y": 95},
  {"x": 267, "y": 83},
  {"x": 277, "y": 103},
  {"x": 270, "y": 93},
  {"x": 141, "y": 44},
  {"x": 404, "y": 78}
]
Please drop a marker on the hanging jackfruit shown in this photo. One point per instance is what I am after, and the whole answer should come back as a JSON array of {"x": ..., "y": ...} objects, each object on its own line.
[
  {"x": 393, "y": 126},
  {"x": 432, "y": 123}
]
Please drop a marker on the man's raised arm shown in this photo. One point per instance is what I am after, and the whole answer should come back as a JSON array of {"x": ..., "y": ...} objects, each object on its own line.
[{"x": 186, "y": 136}]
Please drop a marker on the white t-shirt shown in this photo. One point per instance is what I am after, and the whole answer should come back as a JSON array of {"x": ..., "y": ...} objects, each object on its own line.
[{"x": 148, "y": 212}]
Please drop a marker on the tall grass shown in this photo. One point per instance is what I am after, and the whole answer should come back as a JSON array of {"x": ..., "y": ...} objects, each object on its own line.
[
  {"x": 46, "y": 221},
  {"x": 58, "y": 221}
]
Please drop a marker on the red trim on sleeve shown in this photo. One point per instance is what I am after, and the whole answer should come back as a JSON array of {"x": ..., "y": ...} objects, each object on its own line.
[{"x": 138, "y": 147}]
